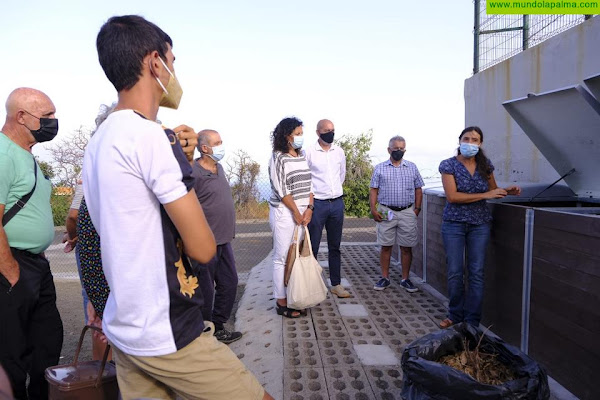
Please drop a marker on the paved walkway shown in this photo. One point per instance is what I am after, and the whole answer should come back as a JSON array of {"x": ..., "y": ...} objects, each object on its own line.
[{"x": 345, "y": 348}]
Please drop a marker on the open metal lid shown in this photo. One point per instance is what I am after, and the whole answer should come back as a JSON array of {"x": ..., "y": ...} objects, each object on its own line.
[
  {"x": 593, "y": 84},
  {"x": 565, "y": 126}
]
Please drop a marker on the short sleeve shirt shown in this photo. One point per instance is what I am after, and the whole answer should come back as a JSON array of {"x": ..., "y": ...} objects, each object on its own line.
[
  {"x": 214, "y": 194},
  {"x": 77, "y": 197},
  {"x": 131, "y": 168},
  {"x": 475, "y": 213},
  {"x": 289, "y": 175},
  {"x": 32, "y": 228},
  {"x": 396, "y": 184}
]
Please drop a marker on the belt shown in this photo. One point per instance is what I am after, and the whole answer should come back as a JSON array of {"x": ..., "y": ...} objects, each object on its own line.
[
  {"x": 331, "y": 200},
  {"x": 398, "y": 208}
]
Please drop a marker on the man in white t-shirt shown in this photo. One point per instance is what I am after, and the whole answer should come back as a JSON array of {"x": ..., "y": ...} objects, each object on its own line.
[{"x": 138, "y": 187}]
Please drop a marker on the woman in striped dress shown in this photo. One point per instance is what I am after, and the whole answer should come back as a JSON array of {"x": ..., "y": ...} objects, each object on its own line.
[{"x": 291, "y": 201}]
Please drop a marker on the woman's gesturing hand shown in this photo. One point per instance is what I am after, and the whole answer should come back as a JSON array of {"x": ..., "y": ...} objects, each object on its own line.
[
  {"x": 513, "y": 190},
  {"x": 497, "y": 193}
]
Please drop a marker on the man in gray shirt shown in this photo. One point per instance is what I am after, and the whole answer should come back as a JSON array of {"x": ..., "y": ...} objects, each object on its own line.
[{"x": 218, "y": 279}]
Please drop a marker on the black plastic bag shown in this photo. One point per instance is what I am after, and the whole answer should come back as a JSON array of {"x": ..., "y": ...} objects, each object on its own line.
[{"x": 425, "y": 379}]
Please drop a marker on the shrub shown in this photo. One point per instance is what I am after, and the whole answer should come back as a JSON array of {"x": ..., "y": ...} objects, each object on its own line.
[
  {"x": 358, "y": 173},
  {"x": 60, "y": 208},
  {"x": 252, "y": 210}
]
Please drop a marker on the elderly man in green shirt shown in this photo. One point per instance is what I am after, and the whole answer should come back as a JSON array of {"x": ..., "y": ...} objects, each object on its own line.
[{"x": 30, "y": 327}]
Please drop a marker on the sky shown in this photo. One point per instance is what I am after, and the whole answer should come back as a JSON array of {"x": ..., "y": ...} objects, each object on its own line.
[{"x": 394, "y": 67}]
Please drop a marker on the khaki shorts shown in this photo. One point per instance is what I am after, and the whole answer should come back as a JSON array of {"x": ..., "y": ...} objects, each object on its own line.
[
  {"x": 204, "y": 369},
  {"x": 401, "y": 230}
]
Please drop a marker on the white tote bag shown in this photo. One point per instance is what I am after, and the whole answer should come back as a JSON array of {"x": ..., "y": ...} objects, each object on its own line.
[{"x": 306, "y": 287}]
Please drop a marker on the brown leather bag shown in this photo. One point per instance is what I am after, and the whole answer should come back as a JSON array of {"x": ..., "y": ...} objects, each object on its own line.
[
  {"x": 291, "y": 255},
  {"x": 93, "y": 380}
]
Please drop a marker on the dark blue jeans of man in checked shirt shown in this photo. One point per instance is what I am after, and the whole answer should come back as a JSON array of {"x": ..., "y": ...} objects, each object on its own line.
[
  {"x": 218, "y": 282},
  {"x": 458, "y": 237},
  {"x": 328, "y": 214}
]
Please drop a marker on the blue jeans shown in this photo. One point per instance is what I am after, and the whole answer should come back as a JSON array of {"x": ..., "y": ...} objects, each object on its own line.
[
  {"x": 458, "y": 237},
  {"x": 328, "y": 214},
  {"x": 218, "y": 282}
]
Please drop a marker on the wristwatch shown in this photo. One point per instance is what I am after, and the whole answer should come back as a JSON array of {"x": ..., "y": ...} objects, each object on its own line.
[
  {"x": 311, "y": 207},
  {"x": 418, "y": 208}
]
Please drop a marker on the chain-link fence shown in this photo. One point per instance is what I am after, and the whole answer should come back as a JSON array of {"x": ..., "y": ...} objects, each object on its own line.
[
  {"x": 499, "y": 37},
  {"x": 252, "y": 243}
]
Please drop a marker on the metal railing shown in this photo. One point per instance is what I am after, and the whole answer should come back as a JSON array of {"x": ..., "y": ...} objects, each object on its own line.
[{"x": 499, "y": 37}]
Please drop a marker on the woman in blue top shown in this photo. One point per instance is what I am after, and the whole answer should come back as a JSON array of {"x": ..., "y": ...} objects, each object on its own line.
[{"x": 468, "y": 181}]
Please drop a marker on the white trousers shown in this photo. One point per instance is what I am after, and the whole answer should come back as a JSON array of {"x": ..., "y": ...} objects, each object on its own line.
[{"x": 282, "y": 224}]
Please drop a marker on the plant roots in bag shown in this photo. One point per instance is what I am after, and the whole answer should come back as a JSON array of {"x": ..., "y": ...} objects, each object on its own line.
[{"x": 427, "y": 379}]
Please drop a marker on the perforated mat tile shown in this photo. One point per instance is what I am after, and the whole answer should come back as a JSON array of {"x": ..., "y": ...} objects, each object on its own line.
[
  {"x": 399, "y": 343},
  {"x": 338, "y": 354},
  {"x": 420, "y": 324},
  {"x": 347, "y": 384},
  {"x": 326, "y": 308},
  {"x": 302, "y": 354},
  {"x": 361, "y": 327},
  {"x": 298, "y": 328},
  {"x": 330, "y": 328},
  {"x": 304, "y": 384},
  {"x": 385, "y": 382},
  {"x": 405, "y": 306},
  {"x": 392, "y": 326}
]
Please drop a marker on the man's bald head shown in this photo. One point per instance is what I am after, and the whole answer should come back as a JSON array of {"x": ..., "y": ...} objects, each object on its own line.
[
  {"x": 208, "y": 137},
  {"x": 24, "y": 108},
  {"x": 33, "y": 101},
  {"x": 324, "y": 126}
]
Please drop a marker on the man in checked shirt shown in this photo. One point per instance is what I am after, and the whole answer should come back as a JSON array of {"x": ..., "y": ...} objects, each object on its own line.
[{"x": 396, "y": 185}]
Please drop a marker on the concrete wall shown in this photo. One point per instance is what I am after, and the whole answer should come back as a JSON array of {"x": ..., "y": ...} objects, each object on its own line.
[{"x": 563, "y": 60}]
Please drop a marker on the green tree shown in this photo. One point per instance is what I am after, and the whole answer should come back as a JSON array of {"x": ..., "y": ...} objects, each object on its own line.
[
  {"x": 46, "y": 168},
  {"x": 358, "y": 173},
  {"x": 59, "y": 204}
]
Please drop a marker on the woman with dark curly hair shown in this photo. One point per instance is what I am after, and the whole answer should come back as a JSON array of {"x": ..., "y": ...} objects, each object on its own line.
[
  {"x": 468, "y": 181},
  {"x": 291, "y": 201}
]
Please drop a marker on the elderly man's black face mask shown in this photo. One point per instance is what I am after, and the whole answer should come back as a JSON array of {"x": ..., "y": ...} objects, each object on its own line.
[
  {"x": 397, "y": 155},
  {"x": 47, "y": 131}
]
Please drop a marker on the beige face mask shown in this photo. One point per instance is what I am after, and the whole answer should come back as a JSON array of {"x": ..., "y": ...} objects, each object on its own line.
[{"x": 172, "y": 93}]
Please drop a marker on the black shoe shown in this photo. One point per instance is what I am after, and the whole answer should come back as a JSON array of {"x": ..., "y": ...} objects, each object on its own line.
[{"x": 224, "y": 336}]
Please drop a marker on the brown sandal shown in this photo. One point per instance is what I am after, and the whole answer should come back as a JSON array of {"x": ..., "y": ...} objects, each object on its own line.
[{"x": 446, "y": 323}]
